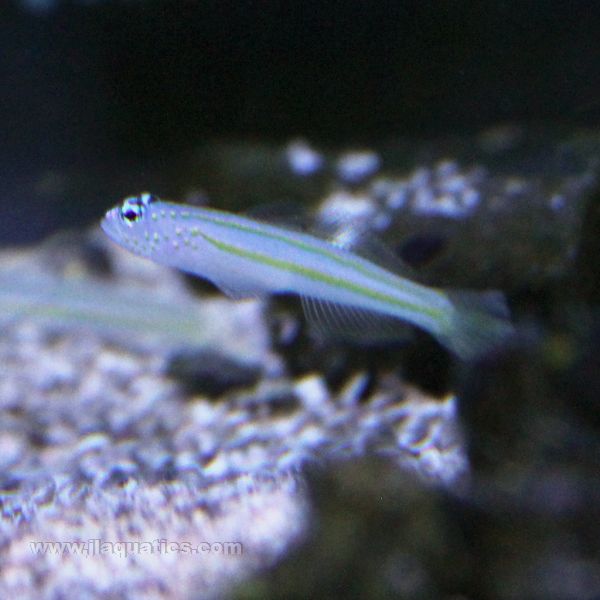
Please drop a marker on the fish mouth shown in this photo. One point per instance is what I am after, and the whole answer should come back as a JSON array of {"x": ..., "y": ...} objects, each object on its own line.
[{"x": 110, "y": 225}]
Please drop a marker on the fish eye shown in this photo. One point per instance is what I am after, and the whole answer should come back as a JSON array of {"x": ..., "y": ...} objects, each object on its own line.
[{"x": 133, "y": 208}]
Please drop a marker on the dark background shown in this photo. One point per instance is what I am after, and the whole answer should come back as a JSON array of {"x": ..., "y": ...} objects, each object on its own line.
[{"x": 102, "y": 99}]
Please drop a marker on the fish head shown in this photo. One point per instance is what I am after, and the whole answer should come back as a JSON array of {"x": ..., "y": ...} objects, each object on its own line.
[{"x": 129, "y": 224}]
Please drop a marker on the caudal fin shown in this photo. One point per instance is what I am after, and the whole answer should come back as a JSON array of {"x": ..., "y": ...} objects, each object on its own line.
[{"x": 480, "y": 324}]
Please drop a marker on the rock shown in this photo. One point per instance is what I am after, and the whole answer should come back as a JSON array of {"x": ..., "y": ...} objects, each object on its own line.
[{"x": 210, "y": 372}]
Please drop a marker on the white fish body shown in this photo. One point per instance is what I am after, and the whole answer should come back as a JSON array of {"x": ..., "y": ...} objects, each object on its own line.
[{"x": 245, "y": 257}]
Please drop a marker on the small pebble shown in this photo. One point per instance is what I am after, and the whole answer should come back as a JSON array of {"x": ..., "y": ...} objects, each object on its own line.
[
  {"x": 355, "y": 167},
  {"x": 303, "y": 159}
]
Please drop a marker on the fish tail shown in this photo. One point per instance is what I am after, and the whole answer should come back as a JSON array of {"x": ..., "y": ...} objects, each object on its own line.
[{"x": 479, "y": 323}]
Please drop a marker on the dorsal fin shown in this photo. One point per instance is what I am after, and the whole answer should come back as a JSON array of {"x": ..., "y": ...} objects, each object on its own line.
[
  {"x": 287, "y": 213},
  {"x": 355, "y": 235},
  {"x": 358, "y": 237}
]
